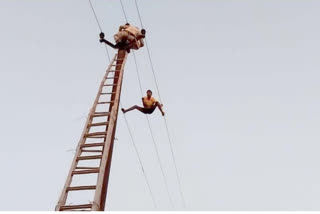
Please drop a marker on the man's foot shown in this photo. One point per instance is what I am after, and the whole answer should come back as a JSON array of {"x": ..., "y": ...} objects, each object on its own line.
[
  {"x": 162, "y": 112},
  {"x": 123, "y": 111}
]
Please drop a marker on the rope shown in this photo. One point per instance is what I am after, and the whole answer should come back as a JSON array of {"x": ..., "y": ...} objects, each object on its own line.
[
  {"x": 96, "y": 18},
  {"x": 127, "y": 124},
  {"x": 167, "y": 129}
]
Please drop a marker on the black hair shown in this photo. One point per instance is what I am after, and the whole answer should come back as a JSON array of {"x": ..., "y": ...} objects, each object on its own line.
[
  {"x": 149, "y": 91},
  {"x": 127, "y": 23}
]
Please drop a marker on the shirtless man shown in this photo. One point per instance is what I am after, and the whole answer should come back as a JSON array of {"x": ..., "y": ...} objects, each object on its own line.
[
  {"x": 128, "y": 36},
  {"x": 149, "y": 105}
]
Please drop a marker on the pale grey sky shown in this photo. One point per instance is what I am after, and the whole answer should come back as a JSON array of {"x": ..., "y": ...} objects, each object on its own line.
[{"x": 240, "y": 85}]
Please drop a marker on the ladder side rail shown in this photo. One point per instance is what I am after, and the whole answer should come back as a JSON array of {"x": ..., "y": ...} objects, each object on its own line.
[
  {"x": 103, "y": 81},
  {"x": 103, "y": 175},
  {"x": 64, "y": 194},
  {"x": 120, "y": 65}
]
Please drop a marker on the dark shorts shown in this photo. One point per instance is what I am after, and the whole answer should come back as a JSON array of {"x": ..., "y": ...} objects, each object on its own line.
[{"x": 148, "y": 110}]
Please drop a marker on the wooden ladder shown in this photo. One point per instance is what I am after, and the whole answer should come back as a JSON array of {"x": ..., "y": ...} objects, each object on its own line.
[{"x": 94, "y": 151}]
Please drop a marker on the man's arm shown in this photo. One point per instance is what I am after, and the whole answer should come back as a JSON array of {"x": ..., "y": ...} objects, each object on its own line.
[
  {"x": 154, "y": 101},
  {"x": 106, "y": 41}
]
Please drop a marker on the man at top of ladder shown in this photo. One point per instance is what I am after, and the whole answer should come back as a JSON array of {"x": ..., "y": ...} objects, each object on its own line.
[
  {"x": 131, "y": 34},
  {"x": 149, "y": 105},
  {"x": 128, "y": 37}
]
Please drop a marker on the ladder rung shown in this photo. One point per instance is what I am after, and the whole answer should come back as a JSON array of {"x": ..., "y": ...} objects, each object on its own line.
[
  {"x": 75, "y": 188},
  {"x": 103, "y": 93},
  {"x": 98, "y": 137},
  {"x": 89, "y": 157},
  {"x": 98, "y": 124},
  {"x": 95, "y": 134},
  {"x": 116, "y": 64},
  {"x": 91, "y": 145},
  {"x": 109, "y": 84},
  {"x": 84, "y": 150},
  {"x": 72, "y": 207},
  {"x": 105, "y": 102},
  {"x": 87, "y": 171},
  {"x": 109, "y": 78},
  {"x": 100, "y": 114},
  {"x": 111, "y": 71},
  {"x": 86, "y": 167}
]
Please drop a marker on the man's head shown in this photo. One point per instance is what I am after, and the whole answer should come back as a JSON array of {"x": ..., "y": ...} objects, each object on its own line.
[
  {"x": 149, "y": 93},
  {"x": 127, "y": 24}
]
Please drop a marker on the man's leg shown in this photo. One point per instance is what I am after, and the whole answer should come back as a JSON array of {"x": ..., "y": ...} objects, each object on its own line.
[
  {"x": 132, "y": 108},
  {"x": 160, "y": 107},
  {"x": 141, "y": 42}
]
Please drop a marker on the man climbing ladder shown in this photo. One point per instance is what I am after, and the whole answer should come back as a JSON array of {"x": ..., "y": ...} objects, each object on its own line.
[
  {"x": 128, "y": 37},
  {"x": 149, "y": 103}
]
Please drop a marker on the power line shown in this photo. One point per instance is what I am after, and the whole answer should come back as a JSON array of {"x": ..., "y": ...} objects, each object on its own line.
[
  {"x": 107, "y": 53},
  {"x": 136, "y": 3},
  {"x": 137, "y": 153},
  {"x": 137, "y": 70},
  {"x": 124, "y": 12},
  {"x": 127, "y": 124},
  {"x": 95, "y": 15},
  {"x": 160, "y": 164},
  {"x": 167, "y": 129},
  {"x": 98, "y": 23},
  {"x": 151, "y": 133},
  {"x": 175, "y": 165}
]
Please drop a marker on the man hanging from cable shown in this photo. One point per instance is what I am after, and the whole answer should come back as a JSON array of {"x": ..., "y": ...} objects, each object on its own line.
[
  {"x": 128, "y": 37},
  {"x": 149, "y": 105}
]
